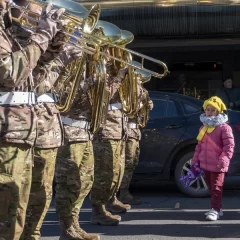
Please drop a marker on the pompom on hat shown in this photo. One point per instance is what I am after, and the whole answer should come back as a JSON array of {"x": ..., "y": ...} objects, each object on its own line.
[{"x": 215, "y": 102}]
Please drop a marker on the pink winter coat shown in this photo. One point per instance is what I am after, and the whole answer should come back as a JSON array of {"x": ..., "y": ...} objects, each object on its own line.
[{"x": 215, "y": 150}]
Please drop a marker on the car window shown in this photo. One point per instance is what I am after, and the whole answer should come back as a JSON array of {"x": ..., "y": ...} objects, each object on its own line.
[
  {"x": 159, "y": 109},
  {"x": 172, "y": 109},
  {"x": 189, "y": 109}
]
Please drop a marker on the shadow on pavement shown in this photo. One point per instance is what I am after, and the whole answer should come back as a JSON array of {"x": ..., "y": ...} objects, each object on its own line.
[{"x": 161, "y": 214}]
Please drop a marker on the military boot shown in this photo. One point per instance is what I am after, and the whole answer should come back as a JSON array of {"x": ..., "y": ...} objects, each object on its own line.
[
  {"x": 126, "y": 197},
  {"x": 68, "y": 231},
  {"x": 115, "y": 206},
  {"x": 103, "y": 217},
  {"x": 82, "y": 233}
]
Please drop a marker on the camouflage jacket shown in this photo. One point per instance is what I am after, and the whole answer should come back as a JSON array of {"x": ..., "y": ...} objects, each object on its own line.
[
  {"x": 81, "y": 110},
  {"x": 50, "y": 132},
  {"x": 49, "y": 126},
  {"x": 17, "y": 122},
  {"x": 116, "y": 122},
  {"x": 135, "y": 132}
]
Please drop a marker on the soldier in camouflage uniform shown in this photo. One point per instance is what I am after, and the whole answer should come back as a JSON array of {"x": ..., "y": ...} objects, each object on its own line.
[
  {"x": 75, "y": 165},
  {"x": 132, "y": 152},
  {"x": 109, "y": 164},
  {"x": 18, "y": 118},
  {"x": 49, "y": 129}
]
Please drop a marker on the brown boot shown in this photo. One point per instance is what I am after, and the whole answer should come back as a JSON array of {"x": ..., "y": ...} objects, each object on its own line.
[
  {"x": 115, "y": 206},
  {"x": 82, "y": 233},
  {"x": 67, "y": 230},
  {"x": 113, "y": 216},
  {"x": 126, "y": 197},
  {"x": 103, "y": 217}
]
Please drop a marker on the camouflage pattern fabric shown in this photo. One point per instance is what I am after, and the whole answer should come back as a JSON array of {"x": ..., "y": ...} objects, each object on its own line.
[
  {"x": 113, "y": 82},
  {"x": 133, "y": 132},
  {"x": 116, "y": 125},
  {"x": 108, "y": 170},
  {"x": 18, "y": 123},
  {"x": 108, "y": 147},
  {"x": 81, "y": 110},
  {"x": 74, "y": 177},
  {"x": 41, "y": 192},
  {"x": 18, "y": 127},
  {"x": 123, "y": 161},
  {"x": 150, "y": 104},
  {"x": 81, "y": 107},
  {"x": 132, "y": 152},
  {"x": 49, "y": 137},
  {"x": 15, "y": 182},
  {"x": 49, "y": 127},
  {"x": 113, "y": 129},
  {"x": 45, "y": 74},
  {"x": 76, "y": 134},
  {"x": 49, "y": 66},
  {"x": 23, "y": 59}
]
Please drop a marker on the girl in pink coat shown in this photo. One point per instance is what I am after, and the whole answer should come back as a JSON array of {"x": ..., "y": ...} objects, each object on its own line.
[{"x": 214, "y": 151}]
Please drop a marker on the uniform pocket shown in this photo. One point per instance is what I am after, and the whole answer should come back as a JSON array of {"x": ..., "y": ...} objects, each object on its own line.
[{"x": 17, "y": 122}]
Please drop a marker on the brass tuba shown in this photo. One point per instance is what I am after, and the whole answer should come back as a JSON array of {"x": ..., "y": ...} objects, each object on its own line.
[
  {"x": 99, "y": 96},
  {"x": 68, "y": 83},
  {"x": 83, "y": 39},
  {"x": 78, "y": 21},
  {"x": 128, "y": 89},
  {"x": 141, "y": 111}
]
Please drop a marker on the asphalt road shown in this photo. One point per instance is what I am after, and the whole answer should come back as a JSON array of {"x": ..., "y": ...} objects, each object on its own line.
[{"x": 162, "y": 215}]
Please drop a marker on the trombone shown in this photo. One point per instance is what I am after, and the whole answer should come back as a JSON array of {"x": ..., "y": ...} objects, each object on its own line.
[
  {"x": 79, "y": 34},
  {"x": 78, "y": 22}
]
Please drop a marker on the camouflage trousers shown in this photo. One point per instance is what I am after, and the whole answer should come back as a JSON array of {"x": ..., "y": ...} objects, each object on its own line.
[
  {"x": 15, "y": 183},
  {"x": 74, "y": 178},
  {"x": 109, "y": 169},
  {"x": 132, "y": 152},
  {"x": 41, "y": 192}
]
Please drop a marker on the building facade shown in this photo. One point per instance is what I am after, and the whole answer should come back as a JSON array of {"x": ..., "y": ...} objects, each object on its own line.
[{"x": 198, "y": 40}]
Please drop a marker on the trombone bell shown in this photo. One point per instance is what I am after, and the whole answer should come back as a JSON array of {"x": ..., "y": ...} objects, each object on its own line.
[
  {"x": 126, "y": 38},
  {"x": 112, "y": 33}
]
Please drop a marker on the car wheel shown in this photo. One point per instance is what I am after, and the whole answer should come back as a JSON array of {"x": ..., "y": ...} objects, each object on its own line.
[{"x": 197, "y": 188}]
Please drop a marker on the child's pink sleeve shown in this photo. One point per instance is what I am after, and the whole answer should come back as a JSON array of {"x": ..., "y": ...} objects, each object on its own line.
[
  {"x": 197, "y": 151},
  {"x": 195, "y": 158},
  {"x": 228, "y": 146}
]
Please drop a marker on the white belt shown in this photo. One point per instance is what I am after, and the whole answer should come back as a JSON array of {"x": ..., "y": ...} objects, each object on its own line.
[
  {"x": 114, "y": 106},
  {"x": 76, "y": 123},
  {"x": 17, "y": 98},
  {"x": 47, "y": 98},
  {"x": 133, "y": 125}
]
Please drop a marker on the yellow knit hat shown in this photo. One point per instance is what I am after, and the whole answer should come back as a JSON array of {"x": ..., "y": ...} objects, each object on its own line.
[{"x": 215, "y": 102}]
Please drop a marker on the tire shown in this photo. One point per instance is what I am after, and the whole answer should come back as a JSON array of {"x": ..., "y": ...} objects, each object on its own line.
[{"x": 196, "y": 188}]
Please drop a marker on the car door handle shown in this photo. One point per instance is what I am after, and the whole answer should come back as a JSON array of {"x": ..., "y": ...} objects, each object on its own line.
[{"x": 173, "y": 126}]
